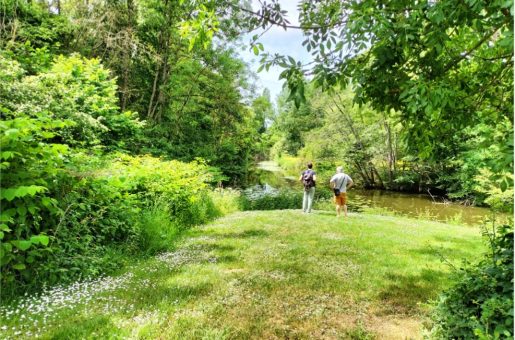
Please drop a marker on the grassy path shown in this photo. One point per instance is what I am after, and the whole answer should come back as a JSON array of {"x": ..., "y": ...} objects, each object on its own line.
[{"x": 273, "y": 274}]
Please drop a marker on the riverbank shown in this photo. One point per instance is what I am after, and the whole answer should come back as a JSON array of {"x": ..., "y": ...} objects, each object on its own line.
[
  {"x": 271, "y": 176},
  {"x": 272, "y": 274}
]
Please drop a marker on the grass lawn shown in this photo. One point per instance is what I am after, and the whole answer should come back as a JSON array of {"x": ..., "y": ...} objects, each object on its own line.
[{"x": 265, "y": 274}]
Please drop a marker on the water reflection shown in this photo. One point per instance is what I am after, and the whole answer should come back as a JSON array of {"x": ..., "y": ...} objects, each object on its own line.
[
  {"x": 416, "y": 205},
  {"x": 268, "y": 174}
]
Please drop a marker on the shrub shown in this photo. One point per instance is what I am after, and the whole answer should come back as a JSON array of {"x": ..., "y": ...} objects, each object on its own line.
[
  {"x": 115, "y": 204},
  {"x": 158, "y": 231},
  {"x": 97, "y": 217},
  {"x": 38, "y": 112},
  {"x": 270, "y": 199},
  {"x": 226, "y": 201},
  {"x": 184, "y": 186},
  {"x": 480, "y": 304},
  {"x": 259, "y": 198},
  {"x": 78, "y": 90},
  {"x": 30, "y": 166},
  {"x": 63, "y": 210},
  {"x": 29, "y": 170}
]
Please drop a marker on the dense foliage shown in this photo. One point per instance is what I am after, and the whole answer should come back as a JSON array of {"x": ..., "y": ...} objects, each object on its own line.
[
  {"x": 257, "y": 198},
  {"x": 190, "y": 90},
  {"x": 440, "y": 70},
  {"x": 480, "y": 303},
  {"x": 65, "y": 210},
  {"x": 87, "y": 92},
  {"x": 118, "y": 116},
  {"x": 330, "y": 129},
  {"x": 432, "y": 62}
]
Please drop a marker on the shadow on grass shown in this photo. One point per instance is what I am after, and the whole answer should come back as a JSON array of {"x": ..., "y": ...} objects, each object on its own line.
[
  {"x": 325, "y": 212},
  {"x": 441, "y": 252},
  {"x": 168, "y": 294},
  {"x": 220, "y": 253},
  {"x": 250, "y": 233},
  {"x": 403, "y": 293},
  {"x": 469, "y": 244},
  {"x": 226, "y": 259},
  {"x": 82, "y": 327},
  {"x": 208, "y": 247}
]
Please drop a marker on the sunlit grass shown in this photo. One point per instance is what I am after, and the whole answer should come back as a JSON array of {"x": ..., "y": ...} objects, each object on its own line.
[{"x": 273, "y": 274}]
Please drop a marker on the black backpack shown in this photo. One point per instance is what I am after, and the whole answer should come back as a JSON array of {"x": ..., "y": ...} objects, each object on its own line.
[{"x": 307, "y": 179}]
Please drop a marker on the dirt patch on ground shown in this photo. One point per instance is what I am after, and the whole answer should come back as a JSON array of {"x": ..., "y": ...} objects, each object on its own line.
[
  {"x": 392, "y": 327},
  {"x": 300, "y": 315}
]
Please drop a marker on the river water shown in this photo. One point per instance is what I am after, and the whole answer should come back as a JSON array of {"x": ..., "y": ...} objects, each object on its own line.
[{"x": 268, "y": 176}]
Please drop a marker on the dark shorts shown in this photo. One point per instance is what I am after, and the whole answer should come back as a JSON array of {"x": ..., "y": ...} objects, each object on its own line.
[{"x": 341, "y": 199}]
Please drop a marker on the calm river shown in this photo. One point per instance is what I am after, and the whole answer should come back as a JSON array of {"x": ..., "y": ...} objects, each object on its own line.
[{"x": 269, "y": 175}]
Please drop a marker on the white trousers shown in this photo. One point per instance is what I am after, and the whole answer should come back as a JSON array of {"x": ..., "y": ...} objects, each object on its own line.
[{"x": 307, "y": 201}]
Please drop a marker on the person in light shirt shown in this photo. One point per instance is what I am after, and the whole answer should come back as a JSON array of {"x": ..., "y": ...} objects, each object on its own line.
[{"x": 340, "y": 182}]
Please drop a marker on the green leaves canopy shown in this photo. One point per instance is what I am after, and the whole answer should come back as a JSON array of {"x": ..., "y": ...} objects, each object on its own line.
[{"x": 443, "y": 65}]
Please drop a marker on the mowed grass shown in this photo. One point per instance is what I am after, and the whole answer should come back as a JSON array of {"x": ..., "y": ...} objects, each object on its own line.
[{"x": 270, "y": 275}]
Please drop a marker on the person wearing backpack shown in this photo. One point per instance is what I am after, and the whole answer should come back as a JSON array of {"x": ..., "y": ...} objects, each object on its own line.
[
  {"x": 340, "y": 182},
  {"x": 308, "y": 179}
]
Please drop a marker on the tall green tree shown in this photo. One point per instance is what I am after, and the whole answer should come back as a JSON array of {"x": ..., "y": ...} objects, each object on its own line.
[
  {"x": 263, "y": 110},
  {"x": 292, "y": 122},
  {"x": 170, "y": 61},
  {"x": 31, "y": 33},
  {"x": 445, "y": 66}
]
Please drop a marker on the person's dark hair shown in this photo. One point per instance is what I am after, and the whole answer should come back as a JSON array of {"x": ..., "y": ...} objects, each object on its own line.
[{"x": 310, "y": 165}]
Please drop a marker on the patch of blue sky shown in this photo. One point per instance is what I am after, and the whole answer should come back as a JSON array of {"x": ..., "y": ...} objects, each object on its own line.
[{"x": 275, "y": 40}]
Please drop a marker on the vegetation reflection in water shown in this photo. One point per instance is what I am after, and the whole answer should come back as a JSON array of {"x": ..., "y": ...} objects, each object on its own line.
[{"x": 268, "y": 179}]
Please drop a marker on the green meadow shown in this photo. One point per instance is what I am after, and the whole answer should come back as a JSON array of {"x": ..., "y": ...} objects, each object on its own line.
[{"x": 264, "y": 274}]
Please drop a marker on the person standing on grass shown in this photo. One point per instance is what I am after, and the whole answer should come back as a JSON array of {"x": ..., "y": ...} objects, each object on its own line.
[
  {"x": 308, "y": 179},
  {"x": 340, "y": 182}
]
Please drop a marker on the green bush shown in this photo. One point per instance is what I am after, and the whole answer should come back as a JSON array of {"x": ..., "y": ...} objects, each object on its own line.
[
  {"x": 38, "y": 114},
  {"x": 117, "y": 204},
  {"x": 158, "y": 231},
  {"x": 480, "y": 304},
  {"x": 97, "y": 217},
  {"x": 258, "y": 198},
  {"x": 77, "y": 90},
  {"x": 64, "y": 209},
  {"x": 29, "y": 170},
  {"x": 83, "y": 91},
  {"x": 270, "y": 199},
  {"x": 226, "y": 201},
  {"x": 184, "y": 186}
]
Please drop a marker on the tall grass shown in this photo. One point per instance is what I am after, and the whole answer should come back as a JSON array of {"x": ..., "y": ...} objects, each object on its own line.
[
  {"x": 158, "y": 231},
  {"x": 225, "y": 201}
]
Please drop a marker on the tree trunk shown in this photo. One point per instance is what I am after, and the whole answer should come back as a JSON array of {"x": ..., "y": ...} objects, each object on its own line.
[
  {"x": 365, "y": 168},
  {"x": 381, "y": 183},
  {"x": 349, "y": 121},
  {"x": 391, "y": 155},
  {"x": 127, "y": 56},
  {"x": 363, "y": 174},
  {"x": 161, "y": 98},
  {"x": 158, "y": 99},
  {"x": 153, "y": 94}
]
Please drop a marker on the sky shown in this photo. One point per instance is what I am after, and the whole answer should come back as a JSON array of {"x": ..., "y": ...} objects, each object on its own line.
[{"x": 276, "y": 40}]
